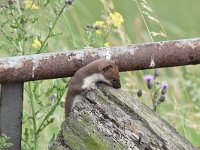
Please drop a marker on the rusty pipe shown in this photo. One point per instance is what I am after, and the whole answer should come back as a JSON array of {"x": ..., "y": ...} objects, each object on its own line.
[{"x": 129, "y": 57}]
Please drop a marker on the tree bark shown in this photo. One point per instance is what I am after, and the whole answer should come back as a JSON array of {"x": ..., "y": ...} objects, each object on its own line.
[{"x": 107, "y": 119}]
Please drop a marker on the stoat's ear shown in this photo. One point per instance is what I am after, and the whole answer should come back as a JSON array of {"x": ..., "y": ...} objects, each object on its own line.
[{"x": 106, "y": 67}]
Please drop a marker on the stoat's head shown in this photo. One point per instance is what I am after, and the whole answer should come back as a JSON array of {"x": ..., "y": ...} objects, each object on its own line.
[{"x": 111, "y": 73}]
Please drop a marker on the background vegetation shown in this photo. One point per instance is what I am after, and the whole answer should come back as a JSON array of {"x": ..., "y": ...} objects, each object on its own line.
[{"x": 52, "y": 25}]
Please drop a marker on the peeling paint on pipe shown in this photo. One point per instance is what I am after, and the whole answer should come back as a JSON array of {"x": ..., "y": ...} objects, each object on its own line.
[{"x": 130, "y": 57}]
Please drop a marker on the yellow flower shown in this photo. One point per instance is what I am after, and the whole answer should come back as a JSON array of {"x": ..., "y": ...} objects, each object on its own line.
[
  {"x": 107, "y": 44},
  {"x": 116, "y": 18},
  {"x": 30, "y": 5},
  {"x": 36, "y": 43},
  {"x": 98, "y": 32},
  {"x": 99, "y": 23}
]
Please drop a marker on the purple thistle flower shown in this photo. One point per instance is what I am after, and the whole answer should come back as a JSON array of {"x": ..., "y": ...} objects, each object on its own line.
[
  {"x": 149, "y": 80},
  {"x": 164, "y": 87}
]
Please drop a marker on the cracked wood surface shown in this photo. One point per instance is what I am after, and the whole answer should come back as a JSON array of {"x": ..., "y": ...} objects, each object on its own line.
[{"x": 108, "y": 119}]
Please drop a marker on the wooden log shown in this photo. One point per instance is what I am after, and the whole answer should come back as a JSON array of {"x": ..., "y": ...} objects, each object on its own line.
[{"x": 112, "y": 119}]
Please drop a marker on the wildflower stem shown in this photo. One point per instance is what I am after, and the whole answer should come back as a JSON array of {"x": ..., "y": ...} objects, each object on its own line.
[
  {"x": 11, "y": 41},
  {"x": 49, "y": 114},
  {"x": 176, "y": 108},
  {"x": 20, "y": 44},
  {"x": 27, "y": 143},
  {"x": 33, "y": 117},
  {"x": 16, "y": 21},
  {"x": 20, "y": 13},
  {"x": 144, "y": 20},
  {"x": 161, "y": 26},
  {"x": 18, "y": 7},
  {"x": 153, "y": 101},
  {"x": 51, "y": 29},
  {"x": 107, "y": 34}
]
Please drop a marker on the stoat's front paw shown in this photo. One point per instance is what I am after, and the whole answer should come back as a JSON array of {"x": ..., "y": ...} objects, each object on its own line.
[{"x": 91, "y": 87}]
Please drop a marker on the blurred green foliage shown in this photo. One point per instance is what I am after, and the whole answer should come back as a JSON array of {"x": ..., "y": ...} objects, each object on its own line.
[
  {"x": 179, "y": 19},
  {"x": 4, "y": 142}
]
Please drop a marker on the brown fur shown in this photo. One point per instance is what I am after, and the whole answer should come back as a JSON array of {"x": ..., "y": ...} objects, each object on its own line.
[{"x": 106, "y": 67}]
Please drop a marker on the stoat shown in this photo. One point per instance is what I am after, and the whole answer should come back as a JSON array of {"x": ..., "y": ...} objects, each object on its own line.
[{"x": 101, "y": 70}]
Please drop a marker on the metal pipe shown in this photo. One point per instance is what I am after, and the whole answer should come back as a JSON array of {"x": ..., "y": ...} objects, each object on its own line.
[{"x": 129, "y": 57}]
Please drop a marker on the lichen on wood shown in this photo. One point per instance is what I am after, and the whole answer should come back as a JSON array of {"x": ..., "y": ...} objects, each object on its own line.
[{"x": 108, "y": 119}]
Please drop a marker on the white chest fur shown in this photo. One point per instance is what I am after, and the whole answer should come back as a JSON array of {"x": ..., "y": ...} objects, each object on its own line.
[{"x": 92, "y": 79}]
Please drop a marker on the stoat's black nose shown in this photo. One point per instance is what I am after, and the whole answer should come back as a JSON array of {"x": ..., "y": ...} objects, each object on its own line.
[{"x": 117, "y": 85}]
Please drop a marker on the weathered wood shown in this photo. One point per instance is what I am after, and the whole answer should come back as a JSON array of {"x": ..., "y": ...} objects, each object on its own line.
[
  {"x": 129, "y": 57},
  {"x": 112, "y": 119},
  {"x": 11, "y": 104}
]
